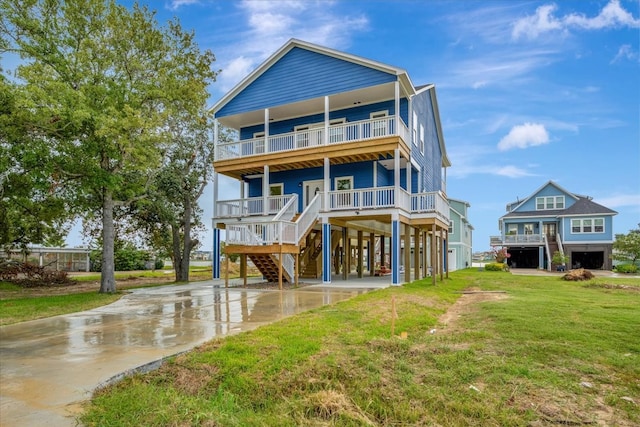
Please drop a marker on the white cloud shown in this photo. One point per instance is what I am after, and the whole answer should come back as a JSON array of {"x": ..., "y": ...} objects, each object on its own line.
[
  {"x": 613, "y": 15},
  {"x": 176, "y": 4},
  {"x": 625, "y": 52},
  {"x": 472, "y": 160},
  {"x": 512, "y": 172},
  {"x": 523, "y": 136},
  {"x": 620, "y": 200},
  {"x": 272, "y": 23}
]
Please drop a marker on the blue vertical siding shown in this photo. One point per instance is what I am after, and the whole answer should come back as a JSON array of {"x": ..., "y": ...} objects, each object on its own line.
[{"x": 315, "y": 75}]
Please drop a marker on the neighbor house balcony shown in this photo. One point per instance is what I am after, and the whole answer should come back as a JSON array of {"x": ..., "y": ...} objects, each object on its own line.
[
  {"x": 518, "y": 240},
  {"x": 310, "y": 146},
  {"x": 366, "y": 201}
]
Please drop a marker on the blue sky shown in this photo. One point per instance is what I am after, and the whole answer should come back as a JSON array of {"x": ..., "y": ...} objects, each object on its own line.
[{"x": 529, "y": 91}]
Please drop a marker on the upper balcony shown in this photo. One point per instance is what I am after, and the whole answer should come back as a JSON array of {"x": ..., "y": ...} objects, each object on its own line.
[{"x": 309, "y": 147}]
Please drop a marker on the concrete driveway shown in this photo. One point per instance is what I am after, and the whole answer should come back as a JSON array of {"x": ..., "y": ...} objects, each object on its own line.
[{"x": 48, "y": 367}]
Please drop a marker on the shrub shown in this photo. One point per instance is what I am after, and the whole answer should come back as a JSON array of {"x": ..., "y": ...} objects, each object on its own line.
[
  {"x": 578, "y": 275},
  {"x": 494, "y": 266},
  {"x": 30, "y": 275},
  {"x": 627, "y": 268},
  {"x": 126, "y": 258},
  {"x": 159, "y": 264}
]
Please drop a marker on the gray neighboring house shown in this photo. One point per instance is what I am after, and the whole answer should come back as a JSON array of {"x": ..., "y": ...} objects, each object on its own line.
[
  {"x": 554, "y": 219},
  {"x": 459, "y": 245}
]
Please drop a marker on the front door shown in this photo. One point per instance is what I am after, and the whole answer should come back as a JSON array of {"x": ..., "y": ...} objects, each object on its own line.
[
  {"x": 549, "y": 229},
  {"x": 311, "y": 188}
]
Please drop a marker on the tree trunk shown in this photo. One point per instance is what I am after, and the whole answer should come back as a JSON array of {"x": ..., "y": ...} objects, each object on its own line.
[
  {"x": 181, "y": 275},
  {"x": 107, "y": 277},
  {"x": 186, "y": 246}
]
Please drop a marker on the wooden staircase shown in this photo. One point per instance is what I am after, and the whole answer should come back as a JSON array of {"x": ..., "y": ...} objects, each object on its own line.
[
  {"x": 268, "y": 266},
  {"x": 311, "y": 261},
  {"x": 553, "y": 247}
]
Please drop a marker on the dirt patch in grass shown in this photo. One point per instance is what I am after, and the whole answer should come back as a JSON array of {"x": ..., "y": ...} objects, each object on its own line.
[{"x": 466, "y": 304}]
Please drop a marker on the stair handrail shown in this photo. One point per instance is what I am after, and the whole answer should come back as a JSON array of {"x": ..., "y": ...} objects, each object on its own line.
[
  {"x": 549, "y": 256},
  {"x": 288, "y": 211},
  {"x": 308, "y": 217},
  {"x": 288, "y": 263},
  {"x": 559, "y": 242}
]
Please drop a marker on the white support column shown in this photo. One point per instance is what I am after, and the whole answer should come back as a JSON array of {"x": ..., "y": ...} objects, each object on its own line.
[
  {"x": 326, "y": 120},
  {"x": 396, "y": 176},
  {"x": 327, "y": 182},
  {"x": 242, "y": 189},
  {"x": 408, "y": 177},
  {"x": 216, "y": 179},
  {"x": 265, "y": 191},
  {"x": 266, "y": 130},
  {"x": 397, "y": 107},
  {"x": 375, "y": 173}
]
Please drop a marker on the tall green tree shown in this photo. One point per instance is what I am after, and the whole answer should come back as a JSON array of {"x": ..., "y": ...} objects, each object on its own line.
[
  {"x": 170, "y": 217},
  {"x": 627, "y": 246},
  {"x": 100, "y": 82},
  {"x": 32, "y": 206}
]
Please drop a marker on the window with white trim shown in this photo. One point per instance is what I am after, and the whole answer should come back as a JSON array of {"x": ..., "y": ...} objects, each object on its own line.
[
  {"x": 587, "y": 225},
  {"x": 549, "y": 202},
  {"x": 421, "y": 138},
  {"x": 512, "y": 228},
  {"x": 343, "y": 184},
  {"x": 528, "y": 228},
  {"x": 451, "y": 229},
  {"x": 415, "y": 128}
]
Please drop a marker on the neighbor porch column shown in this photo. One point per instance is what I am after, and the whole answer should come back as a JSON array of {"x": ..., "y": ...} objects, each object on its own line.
[{"x": 326, "y": 120}]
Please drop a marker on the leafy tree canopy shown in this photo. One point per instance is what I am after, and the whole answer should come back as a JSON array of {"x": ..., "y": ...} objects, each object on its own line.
[
  {"x": 627, "y": 246},
  {"x": 100, "y": 83}
]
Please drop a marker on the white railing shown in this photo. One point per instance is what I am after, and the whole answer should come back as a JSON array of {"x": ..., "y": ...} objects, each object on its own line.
[
  {"x": 251, "y": 206},
  {"x": 517, "y": 238},
  {"x": 308, "y": 217},
  {"x": 367, "y": 198},
  {"x": 288, "y": 211},
  {"x": 262, "y": 233},
  {"x": 431, "y": 202},
  {"x": 288, "y": 263},
  {"x": 340, "y": 133}
]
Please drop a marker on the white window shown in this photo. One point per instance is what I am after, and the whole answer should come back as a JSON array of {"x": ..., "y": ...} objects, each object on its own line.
[
  {"x": 421, "y": 138},
  {"x": 415, "y": 129},
  {"x": 587, "y": 225},
  {"x": 343, "y": 185},
  {"x": 451, "y": 229},
  {"x": 528, "y": 228},
  {"x": 549, "y": 202},
  {"x": 379, "y": 127},
  {"x": 512, "y": 228},
  {"x": 276, "y": 189},
  {"x": 276, "y": 203}
]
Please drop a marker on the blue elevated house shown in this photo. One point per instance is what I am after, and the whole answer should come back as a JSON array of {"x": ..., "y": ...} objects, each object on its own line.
[
  {"x": 342, "y": 166},
  {"x": 553, "y": 219}
]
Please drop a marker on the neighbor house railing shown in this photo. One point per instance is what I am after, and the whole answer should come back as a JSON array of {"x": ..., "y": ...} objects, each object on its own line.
[
  {"x": 339, "y": 133},
  {"x": 516, "y": 239}
]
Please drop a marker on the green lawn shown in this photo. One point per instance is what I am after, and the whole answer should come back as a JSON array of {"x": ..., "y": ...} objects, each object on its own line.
[{"x": 548, "y": 353}]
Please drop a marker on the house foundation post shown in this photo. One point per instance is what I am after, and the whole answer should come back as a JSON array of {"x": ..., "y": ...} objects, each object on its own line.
[
  {"x": 326, "y": 252},
  {"x": 395, "y": 250}
]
